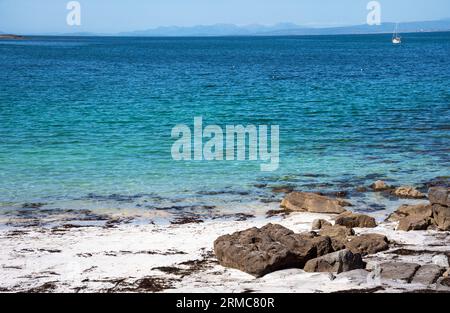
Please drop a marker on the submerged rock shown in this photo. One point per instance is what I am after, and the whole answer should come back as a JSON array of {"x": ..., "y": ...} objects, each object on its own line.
[
  {"x": 361, "y": 189},
  {"x": 259, "y": 251},
  {"x": 337, "y": 262},
  {"x": 379, "y": 185},
  {"x": 311, "y": 202},
  {"x": 349, "y": 219},
  {"x": 408, "y": 192},
  {"x": 439, "y": 195},
  {"x": 368, "y": 244}
]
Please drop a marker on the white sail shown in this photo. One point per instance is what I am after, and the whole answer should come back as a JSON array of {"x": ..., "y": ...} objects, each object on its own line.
[{"x": 396, "y": 39}]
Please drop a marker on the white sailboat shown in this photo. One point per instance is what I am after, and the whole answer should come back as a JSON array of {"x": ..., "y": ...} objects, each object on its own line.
[{"x": 396, "y": 39}]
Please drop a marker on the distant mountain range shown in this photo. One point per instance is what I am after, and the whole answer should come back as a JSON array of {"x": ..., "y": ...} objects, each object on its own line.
[
  {"x": 289, "y": 29},
  {"x": 214, "y": 30},
  {"x": 282, "y": 29}
]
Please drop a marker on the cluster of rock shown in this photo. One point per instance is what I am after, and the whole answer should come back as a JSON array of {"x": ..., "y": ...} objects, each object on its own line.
[
  {"x": 334, "y": 247},
  {"x": 432, "y": 215},
  {"x": 408, "y": 192},
  {"x": 329, "y": 248},
  {"x": 259, "y": 251}
]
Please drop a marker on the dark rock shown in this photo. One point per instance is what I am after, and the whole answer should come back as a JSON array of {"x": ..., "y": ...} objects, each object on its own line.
[
  {"x": 368, "y": 244},
  {"x": 311, "y": 202},
  {"x": 114, "y": 222},
  {"x": 47, "y": 287},
  {"x": 270, "y": 248},
  {"x": 427, "y": 274},
  {"x": 349, "y": 219},
  {"x": 363, "y": 290},
  {"x": 33, "y": 205},
  {"x": 282, "y": 189},
  {"x": 260, "y": 186},
  {"x": 439, "y": 195},
  {"x": 334, "y": 194},
  {"x": 319, "y": 224},
  {"x": 235, "y": 216},
  {"x": 440, "y": 181},
  {"x": 361, "y": 189},
  {"x": 181, "y": 220},
  {"x": 340, "y": 194},
  {"x": 283, "y": 213},
  {"x": 398, "y": 271},
  {"x": 337, "y": 262}
]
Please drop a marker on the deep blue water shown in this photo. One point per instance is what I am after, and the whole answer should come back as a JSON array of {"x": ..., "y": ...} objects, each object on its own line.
[{"x": 93, "y": 116}]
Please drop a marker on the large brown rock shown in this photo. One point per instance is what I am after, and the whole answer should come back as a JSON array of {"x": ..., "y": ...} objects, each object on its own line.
[
  {"x": 439, "y": 195},
  {"x": 399, "y": 271},
  {"x": 422, "y": 211},
  {"x": 413, "y": 217},
  {"x": 339, "y": 235},
  {"x": 349, "y": 219},
  {"x": 368, "y": 244},
  {"x": 337, "y": 262},
  {"x": 408, "y": 192},
  {"x": 259, "y": 251},
  {"x": 311, "y": 202},
  {"x": 441, "y": 216},
  {"x": 413, "y": 223}
]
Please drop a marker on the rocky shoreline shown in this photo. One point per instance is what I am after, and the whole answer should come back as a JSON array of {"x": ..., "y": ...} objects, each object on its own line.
[
  {"x": 313, "y": 243},
  {"x": 336, "y": 248}
]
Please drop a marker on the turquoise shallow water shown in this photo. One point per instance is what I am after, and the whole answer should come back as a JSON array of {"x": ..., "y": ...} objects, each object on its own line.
[{"x": 91, "y": 118}]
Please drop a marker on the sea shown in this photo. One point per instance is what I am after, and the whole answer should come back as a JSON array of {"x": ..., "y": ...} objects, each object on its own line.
[{"x": 86, "y": 122}]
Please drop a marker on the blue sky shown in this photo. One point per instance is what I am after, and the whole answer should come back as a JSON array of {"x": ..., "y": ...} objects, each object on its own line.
[{"x": 109, "y": 16}]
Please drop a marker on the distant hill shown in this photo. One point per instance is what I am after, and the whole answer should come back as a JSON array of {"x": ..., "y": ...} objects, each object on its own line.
[
  {"x": 281, "y": 29},
  {"x": 411, "y": 27},
  {"x": 214, "y": 30},
  {"x": 285, "y": 29}
]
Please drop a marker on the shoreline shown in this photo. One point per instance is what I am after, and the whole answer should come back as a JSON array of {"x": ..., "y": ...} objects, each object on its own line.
[{"x": 104, "y": 253}]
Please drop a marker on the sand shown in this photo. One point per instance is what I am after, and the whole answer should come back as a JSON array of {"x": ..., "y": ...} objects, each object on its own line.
[{"x": 148, "y": 257}]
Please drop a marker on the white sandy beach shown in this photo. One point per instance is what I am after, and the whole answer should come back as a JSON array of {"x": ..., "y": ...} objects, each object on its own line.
[{"x": 179, "y": 258}]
